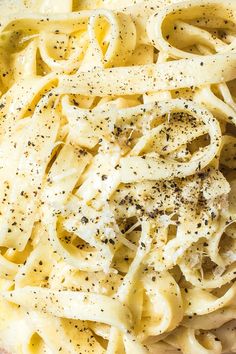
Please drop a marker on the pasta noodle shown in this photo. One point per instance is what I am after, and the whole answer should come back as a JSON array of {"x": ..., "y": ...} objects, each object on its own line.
[{"x": 117, "y": 176}]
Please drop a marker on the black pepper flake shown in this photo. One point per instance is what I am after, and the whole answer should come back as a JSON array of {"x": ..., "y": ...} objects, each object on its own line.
[{"x": 84, "y": 220}]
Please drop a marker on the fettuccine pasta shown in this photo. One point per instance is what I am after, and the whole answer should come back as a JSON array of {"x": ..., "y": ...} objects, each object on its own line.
[{"x": 117, "y": 176}]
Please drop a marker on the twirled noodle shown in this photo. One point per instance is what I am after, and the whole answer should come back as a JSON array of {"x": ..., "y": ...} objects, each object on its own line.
[
  {"x": 117, "y": 166},
  {"x": 134, "y": 169},
  {"x": 170, "y": 27}
]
